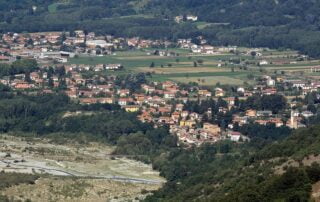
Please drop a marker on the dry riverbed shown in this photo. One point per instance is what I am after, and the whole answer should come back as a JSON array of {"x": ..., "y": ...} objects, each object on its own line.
[{"x": 73, "y": 172}]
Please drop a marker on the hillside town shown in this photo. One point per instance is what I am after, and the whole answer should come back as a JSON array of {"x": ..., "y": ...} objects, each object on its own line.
[{"x": 196, "y": 114}]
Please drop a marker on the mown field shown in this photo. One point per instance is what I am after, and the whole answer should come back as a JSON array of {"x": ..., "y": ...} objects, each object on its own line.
[
  {"x": 206, "y": 78},
  {"x": 138, "y": 59},
  {"x": 184, "y": 67},
  {"x": 187, "y": 67}
]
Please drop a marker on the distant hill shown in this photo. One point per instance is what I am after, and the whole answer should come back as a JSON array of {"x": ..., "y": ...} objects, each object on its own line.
[
  {"x": 270, "y": 23},
  {"x": 246, "y": 13}
]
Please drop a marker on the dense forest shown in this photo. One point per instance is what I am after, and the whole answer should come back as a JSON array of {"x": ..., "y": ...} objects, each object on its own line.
[{"x": 275, "y": 24}]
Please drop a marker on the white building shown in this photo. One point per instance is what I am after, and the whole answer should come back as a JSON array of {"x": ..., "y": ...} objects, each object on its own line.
[
  {"x": 263, "y": 62},
  {"x": 100, "y": 43},
  {"x": 192, "y": 18},
  {"x": 271, "y": 82},
  {"x": 113, "y": 66}
]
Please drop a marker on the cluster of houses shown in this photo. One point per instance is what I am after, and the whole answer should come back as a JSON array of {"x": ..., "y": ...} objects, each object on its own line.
[
  {"x": 183, "y": 18},
  {"x": 161, "y": 103},
  {"x": 48, "y": 47},
  {"x": 59, "y": 47},
  {"x": 44, "y": 47},
  {"x": 203, "y": 48}
]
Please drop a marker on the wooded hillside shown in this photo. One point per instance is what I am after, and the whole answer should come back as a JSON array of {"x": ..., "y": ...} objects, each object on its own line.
[{"x": 275, "y": 24}]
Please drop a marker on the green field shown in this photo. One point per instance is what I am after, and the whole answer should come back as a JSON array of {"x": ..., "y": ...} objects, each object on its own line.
[
  {"x": 209, "y": 80},
  {"x": 180, "y": 68},
  {"x": 134, "y": 59},
  {"x": 206, "y": 78},
  {"x": 202, "y": 25},
  {"x": 52, "y": 8}
]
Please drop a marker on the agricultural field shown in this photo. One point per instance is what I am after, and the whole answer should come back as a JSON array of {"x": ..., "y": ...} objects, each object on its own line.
[
  {"x": 207, "y": 70},
  {"x": 202, "y": 24},
  {"x": 171, "y": 67},
  {"x": 209, "y": 80},
  {"x": 52, "y": 8},
  {"x": 74, "y": 172},
  {"x": 141, "y": 59},
  {"x": 302, "y": 66}
]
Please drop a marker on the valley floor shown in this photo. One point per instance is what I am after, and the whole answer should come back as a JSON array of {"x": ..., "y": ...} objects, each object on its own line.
[{"x": 74, "y": 172}]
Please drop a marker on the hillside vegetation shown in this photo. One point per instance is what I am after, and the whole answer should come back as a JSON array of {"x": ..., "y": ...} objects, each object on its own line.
[
  {"x": 244, "y": 172},
  {"x": 275, "y": 24},
  {"x": 226, "y": 171}
]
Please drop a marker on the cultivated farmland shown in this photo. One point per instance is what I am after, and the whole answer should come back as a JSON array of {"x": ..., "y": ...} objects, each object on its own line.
[{"x": 183, "y": 66}]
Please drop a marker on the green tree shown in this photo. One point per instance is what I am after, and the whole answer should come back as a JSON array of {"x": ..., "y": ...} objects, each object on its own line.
[{"x": 152, "y": 65}]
